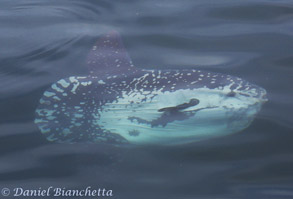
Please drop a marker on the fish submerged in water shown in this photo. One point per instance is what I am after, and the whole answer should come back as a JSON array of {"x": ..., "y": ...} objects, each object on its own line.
[{"x": 119, "y": 103}]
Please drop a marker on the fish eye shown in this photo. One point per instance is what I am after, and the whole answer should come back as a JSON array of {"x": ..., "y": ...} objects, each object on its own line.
[
  {"x": 231, "y": 94},
  {"x": 193, "y": 102}
]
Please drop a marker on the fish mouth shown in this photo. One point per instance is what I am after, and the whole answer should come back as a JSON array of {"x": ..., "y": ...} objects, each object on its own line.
[
  {"x": 262, "y": 97},
  {"x": 259, "y": 94}
]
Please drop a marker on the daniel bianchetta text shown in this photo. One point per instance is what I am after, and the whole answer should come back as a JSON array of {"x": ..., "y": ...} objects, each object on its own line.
[{"x": 58, "y": 192}]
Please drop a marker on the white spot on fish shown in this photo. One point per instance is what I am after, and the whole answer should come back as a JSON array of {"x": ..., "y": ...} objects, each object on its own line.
[
  {"x": 101, "y": 82},
  {"x": 56, "y": 98},
  {"x": 74, "y": 87},
  {"x": 49, "y": 94},
  {"x": 72, "y": 79},
  {"x": 63, "y": 83},
  {"x": 86, "y": 83},
  {"x": 54, "y": 86},
  {"x": 77, "y": 115},
  {"x": 66, "y": 131}
]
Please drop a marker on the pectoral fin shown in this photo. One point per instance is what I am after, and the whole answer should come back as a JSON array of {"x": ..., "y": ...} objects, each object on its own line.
[{"x": 192, "y": 102}]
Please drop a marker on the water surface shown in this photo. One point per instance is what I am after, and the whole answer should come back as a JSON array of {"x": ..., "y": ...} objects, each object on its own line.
[{"x": 44, "y": 41}]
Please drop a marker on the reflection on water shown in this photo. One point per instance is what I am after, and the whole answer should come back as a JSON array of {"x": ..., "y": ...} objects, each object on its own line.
[{"x": 44, "y": 41}]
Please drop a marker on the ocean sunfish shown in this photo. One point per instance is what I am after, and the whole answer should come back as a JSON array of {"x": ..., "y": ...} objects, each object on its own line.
[{"x": 119, "y": 103}]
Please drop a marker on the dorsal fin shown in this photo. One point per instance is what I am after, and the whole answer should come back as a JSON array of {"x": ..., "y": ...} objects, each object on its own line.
[{"x": 109, "y": 57}]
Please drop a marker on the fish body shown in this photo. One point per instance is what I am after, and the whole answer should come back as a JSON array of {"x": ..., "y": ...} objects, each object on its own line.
[{"x": 119, "y": 103}]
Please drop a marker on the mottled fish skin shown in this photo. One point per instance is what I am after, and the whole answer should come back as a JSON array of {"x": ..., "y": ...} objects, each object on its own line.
[
  {"x": 119, "y": 103},
  {"x": 69, "y": 109}
]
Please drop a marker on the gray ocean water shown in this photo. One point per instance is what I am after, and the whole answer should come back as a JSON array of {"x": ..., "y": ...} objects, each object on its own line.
[{"x": 44, "y": 41}]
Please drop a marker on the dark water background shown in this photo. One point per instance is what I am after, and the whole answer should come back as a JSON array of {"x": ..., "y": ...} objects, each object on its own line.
[{"x": 44, "y": 41}]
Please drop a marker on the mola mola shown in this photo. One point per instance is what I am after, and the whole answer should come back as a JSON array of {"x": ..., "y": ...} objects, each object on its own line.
[{"x": 119, "y": 103}]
